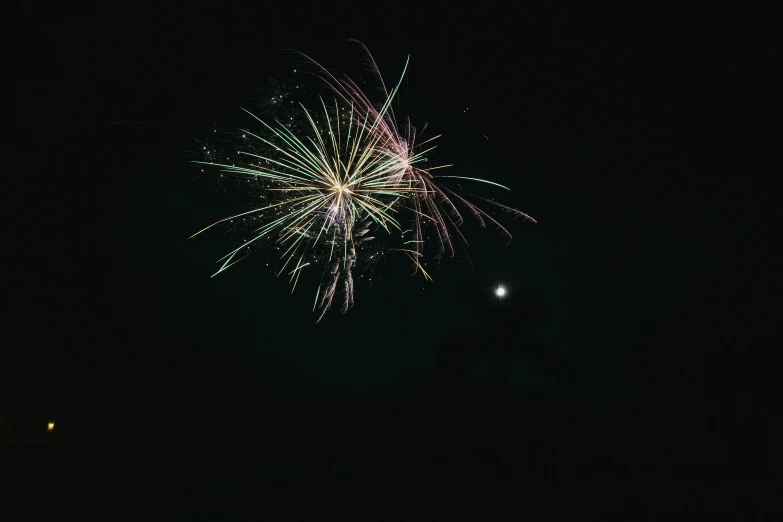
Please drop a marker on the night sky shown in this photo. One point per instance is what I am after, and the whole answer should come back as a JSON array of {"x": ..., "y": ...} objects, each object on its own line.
[{"x": 645, "y": 144}]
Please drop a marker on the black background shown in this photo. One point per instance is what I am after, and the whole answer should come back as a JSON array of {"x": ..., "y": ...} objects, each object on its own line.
[{"x": 645, "y": 142}]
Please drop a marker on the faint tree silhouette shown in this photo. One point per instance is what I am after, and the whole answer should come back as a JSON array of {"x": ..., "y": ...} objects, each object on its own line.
[{"x": 503, "y": 321}]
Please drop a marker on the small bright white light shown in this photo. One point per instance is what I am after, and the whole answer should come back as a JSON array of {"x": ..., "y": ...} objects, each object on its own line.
[
  {"x": 50, "y": 426},
  {"x": 500, "y": 291}
]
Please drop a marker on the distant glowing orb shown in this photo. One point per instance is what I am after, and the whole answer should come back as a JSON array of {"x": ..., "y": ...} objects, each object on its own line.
[
  {"x": 500, "y": 291},
  {"x": 50, "y": 426}
]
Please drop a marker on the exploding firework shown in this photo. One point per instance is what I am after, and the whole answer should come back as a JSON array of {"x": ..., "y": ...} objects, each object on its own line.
[
  {"x": 435, "y": 203},
  {"x": 326, "y": 184}
]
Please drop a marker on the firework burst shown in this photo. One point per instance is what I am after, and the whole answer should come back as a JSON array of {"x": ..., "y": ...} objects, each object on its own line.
[{"x": 347, "y": 170}]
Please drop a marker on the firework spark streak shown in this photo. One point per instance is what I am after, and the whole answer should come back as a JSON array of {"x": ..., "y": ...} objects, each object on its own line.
[{"x": 327, "y": 184}]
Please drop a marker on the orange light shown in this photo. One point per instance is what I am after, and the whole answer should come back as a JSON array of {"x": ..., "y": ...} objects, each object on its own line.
[{"x": 50, "y": 426}]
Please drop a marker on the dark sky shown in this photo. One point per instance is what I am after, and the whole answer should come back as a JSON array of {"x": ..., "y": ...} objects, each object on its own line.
[{"x": 646, "y": 144}]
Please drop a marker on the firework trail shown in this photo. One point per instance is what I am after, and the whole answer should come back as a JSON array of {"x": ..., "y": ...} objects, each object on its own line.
[{"x": 325, "y": 184}]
